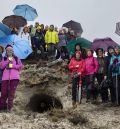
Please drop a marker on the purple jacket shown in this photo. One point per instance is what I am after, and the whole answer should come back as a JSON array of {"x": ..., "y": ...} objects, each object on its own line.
[
  {"x": 11, "y": 74},
  {"x": 91, "y": 65}
]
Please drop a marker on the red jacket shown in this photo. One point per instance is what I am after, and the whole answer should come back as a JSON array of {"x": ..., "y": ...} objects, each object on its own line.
[{"x": 73, "y": 66}]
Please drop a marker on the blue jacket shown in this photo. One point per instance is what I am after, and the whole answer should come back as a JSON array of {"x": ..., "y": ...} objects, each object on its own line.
[{"x": 118, "y": 64}]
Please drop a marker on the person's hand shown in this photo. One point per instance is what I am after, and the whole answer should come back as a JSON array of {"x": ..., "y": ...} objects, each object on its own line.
[
  {"x": 77, "y": 66},
  {"x": 79, "y": 73},
  {"x": 10, "y": 58},
  {"x": 105, "y": 77}
]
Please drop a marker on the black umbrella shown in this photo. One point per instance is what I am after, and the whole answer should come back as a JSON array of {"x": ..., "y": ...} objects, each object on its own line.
[
  {"x": 74, "y": 26},
  {"x": 14, "y": 21}
]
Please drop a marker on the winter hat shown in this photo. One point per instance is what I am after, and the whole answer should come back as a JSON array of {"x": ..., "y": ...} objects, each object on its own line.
[
  {"x": 117, "y": 47},
  {"x": 9, "y": 46}
]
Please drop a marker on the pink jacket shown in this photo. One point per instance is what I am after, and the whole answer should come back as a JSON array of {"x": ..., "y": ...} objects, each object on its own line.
[
  {"x": 91, "y": 65},
  {"x": 11, "y": 74}
]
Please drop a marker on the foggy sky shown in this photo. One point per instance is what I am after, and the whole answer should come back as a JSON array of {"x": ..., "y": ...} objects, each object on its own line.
[{"x": 97, "y": 17}]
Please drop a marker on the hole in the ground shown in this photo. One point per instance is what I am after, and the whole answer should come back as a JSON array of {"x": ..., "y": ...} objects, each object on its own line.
[{"x": 43, "y": 102}]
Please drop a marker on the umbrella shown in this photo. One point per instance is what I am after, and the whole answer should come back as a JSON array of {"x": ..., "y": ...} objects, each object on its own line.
[
  {"x": 14, "y": 21},
  {"x": 26, "y": 11},
  {"x": 84, "y": 43},
  {"x": 21, "y": 47},
  {"x": 4, "y": 30},
  {"x": 117, "y": 31},
  {"x": 103, "y": 43},
  {"x": 74, "y": 26}
]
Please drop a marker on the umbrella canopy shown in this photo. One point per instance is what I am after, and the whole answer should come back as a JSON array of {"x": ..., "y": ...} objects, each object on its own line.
[
  {"x": 4, "y": 30},
  {"x": 74, "y": 26},
  {"x": 26, "y": 11},
  {"x": 103, "y": 43},
  {"x": 14, "y": 21},
  {"x": 117, "y": 31},
  {"x": 21, "y": 47},
  {"x": 84, "y": 43}
]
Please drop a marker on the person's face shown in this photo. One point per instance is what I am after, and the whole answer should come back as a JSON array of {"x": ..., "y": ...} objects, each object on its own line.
[
  {"x": 78, "y": 48},
  {"x": 89, "y": 53},
  {"x": 100, "y": 53},
  {"x": 111, "y": 51},
  {"x": 36, "y": 24},
  {"x": 69, "y": 29},
  {"x": 42, "y": 27},
  {"x": 56, "y": 29},
  {"x": 77, "y": 56},
  {"x": 117, "y": 51},
  {"x": 9, "y": 52},
  {"x": 26, "y": 29},
  {"x": 51, "y": 28}
]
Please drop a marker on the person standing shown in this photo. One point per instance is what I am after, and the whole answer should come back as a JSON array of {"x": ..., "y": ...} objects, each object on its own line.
[
  {"x": 101, "y": 75},
  {"x": 62, "y": 46},
  {"x": 26, "y": 36},
  {"x": 115, "y": 69},
  {"x": 110, "y": 52},
  {"x": 39, "y": 42},
  {"x": 11, "y": 67},
  {"x": 77, "y": 68},
  {"x": 51, "y": 40},
  {"x": 91, "y": 69}
]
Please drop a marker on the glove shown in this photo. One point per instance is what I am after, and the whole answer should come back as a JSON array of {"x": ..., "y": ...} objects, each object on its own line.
[{"x": 76, "y": 75}]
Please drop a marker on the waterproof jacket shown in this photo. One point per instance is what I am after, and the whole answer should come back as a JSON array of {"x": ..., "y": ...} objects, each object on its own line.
[
  {"x": 13, "y": 73},
  {"x": 118, "y": 64},
  {"x": 73, "y": 69},
  {"x": 91, "y": 65},
  {"x": 62, "y": 40},
  {"x": 51, "y": 37},
  {"x": 39, "y": 38}
]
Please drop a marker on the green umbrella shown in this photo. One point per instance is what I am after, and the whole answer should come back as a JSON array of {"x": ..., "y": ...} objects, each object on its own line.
[{"x": 84, "y": 43}]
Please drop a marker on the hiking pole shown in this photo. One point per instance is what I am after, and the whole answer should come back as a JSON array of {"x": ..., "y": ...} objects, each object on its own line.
[
  {"x": 80, "y": 90},
  {"x": 8, "y": 90},
  {"x": 116, "y": 79}
]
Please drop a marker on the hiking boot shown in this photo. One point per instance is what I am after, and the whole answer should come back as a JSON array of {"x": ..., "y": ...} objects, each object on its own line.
[
  {"x": 74, "y": 104},
  {"x": 88, "y": 101}
]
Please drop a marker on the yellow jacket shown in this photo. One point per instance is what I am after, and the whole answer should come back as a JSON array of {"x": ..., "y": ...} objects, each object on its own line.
[{"x": 51, "y": 37}]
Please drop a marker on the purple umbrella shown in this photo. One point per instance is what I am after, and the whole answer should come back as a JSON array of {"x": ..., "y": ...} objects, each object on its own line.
[{"x": 103, "y": 43}]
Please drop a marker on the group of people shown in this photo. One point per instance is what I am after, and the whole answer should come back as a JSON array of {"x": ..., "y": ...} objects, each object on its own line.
[
  {"x": 99, "y": 75},
  {"x": 47, "y": 42}
]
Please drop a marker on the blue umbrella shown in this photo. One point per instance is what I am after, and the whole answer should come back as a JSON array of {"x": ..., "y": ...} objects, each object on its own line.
[
  {"x": 4, "y": 30},
  {"x": 26, "y": 11},
  {"x": 21, "y": 47}
]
